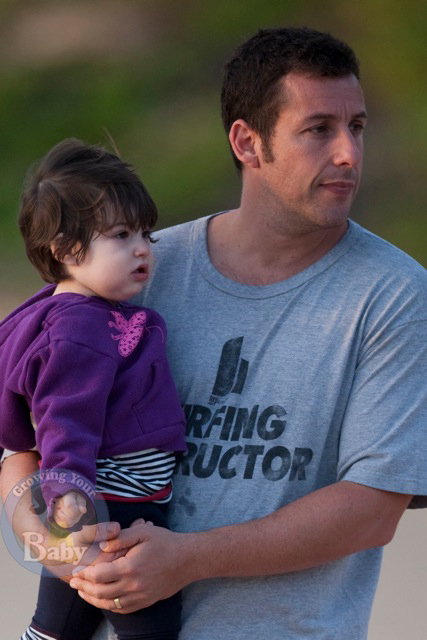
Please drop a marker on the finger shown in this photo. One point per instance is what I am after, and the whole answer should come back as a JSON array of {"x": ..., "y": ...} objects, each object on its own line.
[
  {"x": 127, "y": 538},
  {"x": 103, "y": 558},
  {"x": 141, "y": 521},
  {"x": 99, "y": 591},
  {"x": 102, "y": 531},
  {"x": 137, "y": 522},
  {"x": 99, "y": 573}
]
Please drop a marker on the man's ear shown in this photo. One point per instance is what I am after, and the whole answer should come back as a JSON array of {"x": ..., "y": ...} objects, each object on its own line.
[{"x": 246, "y": 143}]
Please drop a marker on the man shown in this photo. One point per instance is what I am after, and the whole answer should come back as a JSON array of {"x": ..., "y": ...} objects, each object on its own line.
[{"x": 298, "y": 344}]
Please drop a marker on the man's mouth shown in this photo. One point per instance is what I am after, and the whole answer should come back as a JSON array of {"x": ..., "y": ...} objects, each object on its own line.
[{"x": 340, "y": 187}]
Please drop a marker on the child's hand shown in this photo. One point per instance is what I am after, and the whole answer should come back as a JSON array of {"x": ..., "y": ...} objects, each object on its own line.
[{"x": 68, "y": 510}]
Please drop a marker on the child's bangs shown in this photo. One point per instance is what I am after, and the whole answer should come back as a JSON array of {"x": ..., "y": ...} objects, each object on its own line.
[{"x": 128, "y": 207}]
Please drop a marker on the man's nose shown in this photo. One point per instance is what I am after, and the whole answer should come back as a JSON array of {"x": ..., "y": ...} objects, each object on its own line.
[{"x": 348, "y": 150}]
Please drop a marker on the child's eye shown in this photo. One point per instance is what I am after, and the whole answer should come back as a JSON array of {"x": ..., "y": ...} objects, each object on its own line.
[
  {"x": 122, "y": 235},
  {"x": 147, "y": 235}
]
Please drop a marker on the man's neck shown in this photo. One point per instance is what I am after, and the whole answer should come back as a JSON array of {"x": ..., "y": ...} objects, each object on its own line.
[{"x": 253, "y": 254}]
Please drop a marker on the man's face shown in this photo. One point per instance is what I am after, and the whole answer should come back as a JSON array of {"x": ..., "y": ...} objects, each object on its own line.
[{"x": 317, "y": 151}]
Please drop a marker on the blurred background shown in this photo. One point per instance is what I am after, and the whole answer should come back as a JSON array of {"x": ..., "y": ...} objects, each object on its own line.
[{"x": 148, "y": 74}]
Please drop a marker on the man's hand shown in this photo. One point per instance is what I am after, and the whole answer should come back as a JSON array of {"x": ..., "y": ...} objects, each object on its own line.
[
  {"x": 77, "y": 550},
  {"x": 98, "y": 537},
  {"x": 153, "y": 569}
]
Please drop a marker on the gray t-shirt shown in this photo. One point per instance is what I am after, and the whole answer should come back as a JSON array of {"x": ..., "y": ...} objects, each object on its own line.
[{"x": 288, "y": 388}]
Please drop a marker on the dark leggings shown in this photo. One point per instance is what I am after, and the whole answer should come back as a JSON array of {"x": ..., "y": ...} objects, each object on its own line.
[{"x": 62, "y": 614}]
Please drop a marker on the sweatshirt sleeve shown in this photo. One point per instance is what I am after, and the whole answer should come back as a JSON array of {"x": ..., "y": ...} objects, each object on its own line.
[{"x": 69, "y": 407}]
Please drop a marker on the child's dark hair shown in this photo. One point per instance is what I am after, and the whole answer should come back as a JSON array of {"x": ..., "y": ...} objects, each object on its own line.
[
  {"x": 76, "y": 191},
  {"x": 251, "y": 86}
]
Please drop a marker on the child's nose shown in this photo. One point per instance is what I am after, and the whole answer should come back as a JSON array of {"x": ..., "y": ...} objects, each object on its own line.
[{"x": 142, "y": 247}]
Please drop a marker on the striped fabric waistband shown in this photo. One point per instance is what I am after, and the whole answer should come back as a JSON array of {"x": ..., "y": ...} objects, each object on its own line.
[{"x": 137, "y": 476}]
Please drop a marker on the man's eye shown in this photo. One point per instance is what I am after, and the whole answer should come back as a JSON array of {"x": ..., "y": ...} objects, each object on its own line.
[
  {"x": 357, "y": 127},
  {"x": 319, "y": 129}
]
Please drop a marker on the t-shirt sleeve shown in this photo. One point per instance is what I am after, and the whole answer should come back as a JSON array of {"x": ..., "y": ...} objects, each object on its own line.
[{"x": 384, "y": 432}]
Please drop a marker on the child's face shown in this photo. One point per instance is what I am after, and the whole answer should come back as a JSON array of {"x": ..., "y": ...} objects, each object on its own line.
[{"x": 116, "y": 266}]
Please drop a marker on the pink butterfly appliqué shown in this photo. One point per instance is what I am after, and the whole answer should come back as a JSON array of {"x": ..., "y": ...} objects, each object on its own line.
[{"x": 130, "y": 331}]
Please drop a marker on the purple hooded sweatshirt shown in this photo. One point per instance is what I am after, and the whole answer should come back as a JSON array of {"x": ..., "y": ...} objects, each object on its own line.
[{"x": 95, "y": 378}]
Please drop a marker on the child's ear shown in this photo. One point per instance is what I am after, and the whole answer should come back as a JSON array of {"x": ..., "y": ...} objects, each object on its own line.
[{"x": 68, "y": 259}]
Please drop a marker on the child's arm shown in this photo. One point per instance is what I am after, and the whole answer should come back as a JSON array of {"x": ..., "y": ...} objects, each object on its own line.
[{"x": 69, "y": 402}]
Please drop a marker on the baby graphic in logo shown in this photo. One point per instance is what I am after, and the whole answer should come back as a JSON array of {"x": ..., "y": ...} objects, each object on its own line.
[{"x": 54, "y": 539}]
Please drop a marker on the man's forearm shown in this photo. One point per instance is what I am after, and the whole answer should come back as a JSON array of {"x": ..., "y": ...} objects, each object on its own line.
[
  {"x": 14, "y": 469},
  {"x": 321, "y": 527}
]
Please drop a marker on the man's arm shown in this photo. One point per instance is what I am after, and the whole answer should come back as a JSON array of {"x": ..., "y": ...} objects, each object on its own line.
[
  {"x": 13, "y": 470},
  {"x": 321, "y": 527}
]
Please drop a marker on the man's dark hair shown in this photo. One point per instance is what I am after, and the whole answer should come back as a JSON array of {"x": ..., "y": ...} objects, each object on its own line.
[
  {"x": 251, "y": 87},
  {"x": 76, "y": 191}
]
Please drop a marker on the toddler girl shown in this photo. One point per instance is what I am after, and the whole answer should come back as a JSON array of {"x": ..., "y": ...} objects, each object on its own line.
[{"x": 90, "y": 370}]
